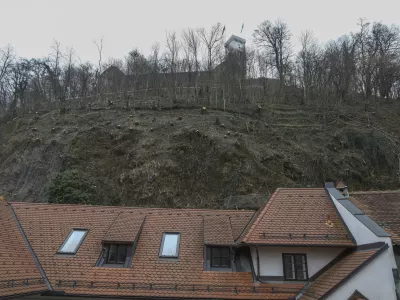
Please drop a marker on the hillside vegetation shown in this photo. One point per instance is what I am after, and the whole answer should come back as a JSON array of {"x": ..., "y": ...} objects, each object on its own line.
[{"x": 183, "y": 158}]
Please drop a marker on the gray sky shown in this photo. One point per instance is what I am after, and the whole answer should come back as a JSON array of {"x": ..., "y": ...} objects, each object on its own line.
[{"x": 31, "y": 25}]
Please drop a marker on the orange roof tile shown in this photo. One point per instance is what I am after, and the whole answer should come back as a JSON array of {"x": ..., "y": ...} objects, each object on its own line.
[
  {"x": 299, "y": 217},
  {"x": 340, "y": 272},
  {"x": 46, "y": 226},
  {"x": 125, "y": 227},
  {"x": 217, "y": 230},
  {"x": 383, "y": 207},
  {"x": 19, "y": 273}
]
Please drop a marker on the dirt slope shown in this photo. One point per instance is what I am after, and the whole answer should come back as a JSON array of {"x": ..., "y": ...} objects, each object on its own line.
[{"x": 182, "y": 158}]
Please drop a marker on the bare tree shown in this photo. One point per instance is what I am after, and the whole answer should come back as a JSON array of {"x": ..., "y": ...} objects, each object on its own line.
[
  {"x": 275, "y": 38},
  {"x": 85, "y": 79},
  {"x": 6, "y": 62},
  {"x": 365, "y": 59},
  {"x": 99, "y": 46},
  {"x": 192, "y": 46},
  {"x": 308, "y": 58},
  {"x": 20, "y": 77},
  {"x": 386, "y": 39},
  {"x": 172, "y": 58},
  {"x": 212, "y": 42},
  {"x": 137, "y": 66}
]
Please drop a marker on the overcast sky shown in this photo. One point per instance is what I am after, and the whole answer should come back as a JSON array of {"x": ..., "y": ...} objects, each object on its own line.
[{"x": 31, "y": 25}]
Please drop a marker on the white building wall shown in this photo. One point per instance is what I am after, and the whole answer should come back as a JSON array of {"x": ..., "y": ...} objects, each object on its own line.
[
  {"x": 271, "y": 263},
  {"x": 375, "y": 281},
  {"x": 361, "y": 233}
]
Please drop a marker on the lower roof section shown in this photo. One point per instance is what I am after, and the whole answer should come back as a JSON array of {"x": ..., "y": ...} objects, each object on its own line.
[
  {"x": 173, "y": 291},
  {"x": 19, "y": 273},
  {"x": 341, "y": 270}
]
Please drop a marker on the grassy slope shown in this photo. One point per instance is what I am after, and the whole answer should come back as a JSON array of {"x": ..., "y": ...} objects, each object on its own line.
[{"x": 153, "y": 158}]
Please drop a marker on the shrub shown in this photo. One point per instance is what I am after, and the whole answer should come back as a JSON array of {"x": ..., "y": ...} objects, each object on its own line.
[{"x": 72, "y": 187}]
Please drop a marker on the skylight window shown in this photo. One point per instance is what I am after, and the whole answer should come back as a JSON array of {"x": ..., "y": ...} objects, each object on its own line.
[
  {"x": 170, "y": 245},
  {"x": 73, "y": 241}
]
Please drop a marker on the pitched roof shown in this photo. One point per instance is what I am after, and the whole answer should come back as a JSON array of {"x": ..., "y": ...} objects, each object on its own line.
[
  {"x": 299, "y": 217},
  {"x": 47, "y": 225},
  {"x": 217, "y": 230},
  {"x": 19, "y": 274},
  {"x": 340, "y": 272},
  {"x": 124, "y": 228},
  {"x": 383, "y": 207}
]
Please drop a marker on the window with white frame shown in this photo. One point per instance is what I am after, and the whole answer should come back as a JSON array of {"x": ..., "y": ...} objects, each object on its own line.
[
  {"x": 170, "y": 245},
  {"x": 295, "y": 267},
  {"x": 73, "y": 241}
]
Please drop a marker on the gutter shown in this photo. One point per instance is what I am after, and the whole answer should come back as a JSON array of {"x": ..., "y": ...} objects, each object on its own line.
[
  {"x": 258, "y": 277},
  {"x": 46, "y": 280}
]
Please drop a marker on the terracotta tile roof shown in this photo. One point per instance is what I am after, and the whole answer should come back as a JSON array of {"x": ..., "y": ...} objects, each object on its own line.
[
  {"x": 298, "y": 217},
  {"x": 339, "y": 273},
  {"x": 217, "y": 230},
  {"x": 47, "y": 226},
  {"x": 125, "y": 227},
  {"x": 19, "y": 273},
  {"x": 383, "y": 207}
]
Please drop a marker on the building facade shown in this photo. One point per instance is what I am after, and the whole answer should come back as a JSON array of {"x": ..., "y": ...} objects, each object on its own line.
[{"x": 302, "y": 244}]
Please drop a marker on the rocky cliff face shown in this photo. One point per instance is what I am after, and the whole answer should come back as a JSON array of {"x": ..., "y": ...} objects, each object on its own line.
[{"x": 182, "y": 158}]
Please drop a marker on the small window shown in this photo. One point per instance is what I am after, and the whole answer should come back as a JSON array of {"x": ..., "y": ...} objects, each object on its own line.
[
  {"x": 295, "y": 267},
  {"x": 73, "y": 241},
  {"x": 170, "y": 245},
  {"x": 220, "y": 257},
  {"x": 116, "y": 254}
]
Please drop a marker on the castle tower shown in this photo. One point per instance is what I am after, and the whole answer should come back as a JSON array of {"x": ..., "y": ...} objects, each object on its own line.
[
  {"x": 235, "y": 57},
  {"x": 235, "y": 44}
]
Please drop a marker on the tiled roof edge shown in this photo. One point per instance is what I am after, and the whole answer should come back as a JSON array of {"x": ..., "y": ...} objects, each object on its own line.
[
  {"x": 366, "y": 220},
  {"x": 260, "y": 216},
  {"x": 338, "y": 213},
  {"x": 20, "y": 295},
  {"x": 355, "y": 271},
  {"x": 22, "y": 204},
  {"x": 21, "y": 230}
]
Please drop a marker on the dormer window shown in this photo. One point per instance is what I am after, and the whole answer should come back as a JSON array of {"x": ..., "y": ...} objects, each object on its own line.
[
  {"x": 116, "y": 255},
  {"x": 170, "y": 245},
  {"x": 295, "y": 267},
  {"x": 73, "y": 241}
]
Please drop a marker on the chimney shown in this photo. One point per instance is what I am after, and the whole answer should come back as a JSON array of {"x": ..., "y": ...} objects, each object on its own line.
[{"x": 342, "y": 188}]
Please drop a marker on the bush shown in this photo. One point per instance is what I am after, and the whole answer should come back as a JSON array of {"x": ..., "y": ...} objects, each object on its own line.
[{"x": 72, "y": 187}]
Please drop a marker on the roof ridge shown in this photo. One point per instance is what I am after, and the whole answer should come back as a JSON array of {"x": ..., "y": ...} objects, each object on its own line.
[
  {"x": 20, "y": 204},
  {"x": 375, "y": 192}
]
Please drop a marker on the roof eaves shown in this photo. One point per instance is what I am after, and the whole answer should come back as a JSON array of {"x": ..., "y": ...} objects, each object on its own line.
[
  {"x": 20, "y": 295},
  {"x": 21, "y": 230}
]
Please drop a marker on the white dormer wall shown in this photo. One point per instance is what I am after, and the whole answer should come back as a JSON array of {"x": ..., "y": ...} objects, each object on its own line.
[{"x": 271, "y": 261}]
